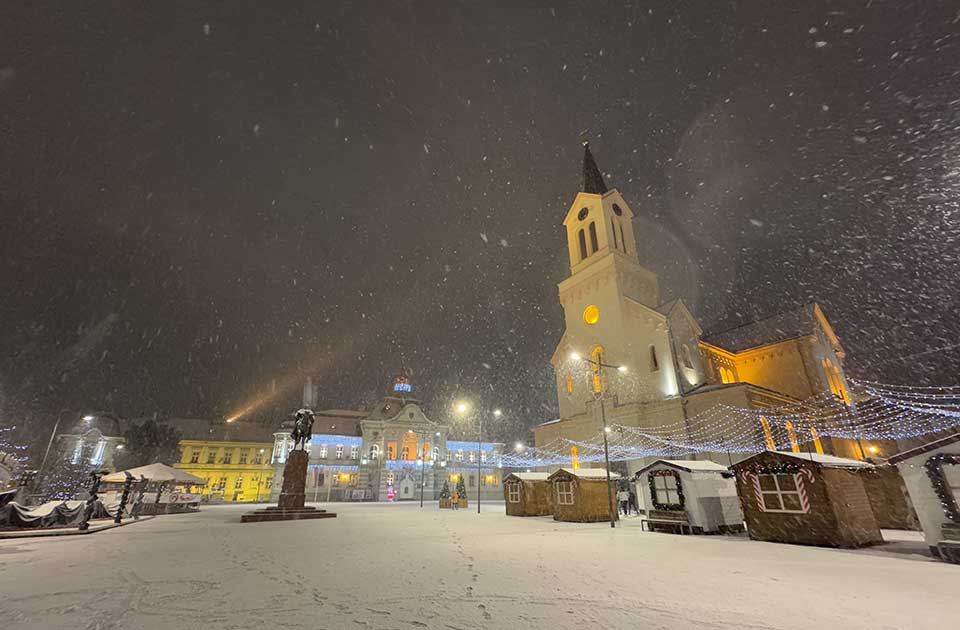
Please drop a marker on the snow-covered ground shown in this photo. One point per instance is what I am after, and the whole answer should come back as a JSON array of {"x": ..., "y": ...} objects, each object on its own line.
[{"x": 395, "y": 566}]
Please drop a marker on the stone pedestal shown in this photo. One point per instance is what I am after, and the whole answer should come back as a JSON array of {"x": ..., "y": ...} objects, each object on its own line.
[{"x": 290, "y": 507}]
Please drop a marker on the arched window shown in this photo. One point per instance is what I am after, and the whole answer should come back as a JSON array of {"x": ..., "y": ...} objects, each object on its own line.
[
  {"x": 583, "y": 244},
  {"x": 792, "y": 435},
  {"x": 426, "y": 451},
  {"x": 835, "y": 381},
  {"x": 569, "y": 384},
  {"x": 436, "y": 453},
  {"x": 816, "y": 440},
  {"x": 374, "y": 451},
  {"x": 593, "y": 237},
  {"x": 613, "y": 226},
  {"x": 726, "y": 375},
  {"x": 767, "y": 434},
  {"x": 654, "y": 363},
  {"x": 686, "y": 357},
  {"x": 405, "y": 452},
  {"x": 623, "y": 241},
  {"x": 596, "y": 355}
]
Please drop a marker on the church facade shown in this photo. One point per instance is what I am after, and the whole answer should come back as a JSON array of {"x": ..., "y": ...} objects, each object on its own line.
[
  {"x": 385, "y": 454},
  {"x": 614, "y": 314}
]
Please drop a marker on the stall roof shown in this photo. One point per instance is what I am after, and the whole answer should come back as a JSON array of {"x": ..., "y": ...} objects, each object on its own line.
[
  {"x": 687, "y": 465},
  {"x": 530, "y": 476},
  {"x": 827, "y": 461},
  {"x": 924, "y": 448},
  {"x": 590, "y": 473},
  {"x": 156, "y": 472}
]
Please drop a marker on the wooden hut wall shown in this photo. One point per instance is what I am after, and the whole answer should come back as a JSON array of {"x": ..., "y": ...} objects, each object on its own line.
[
  {"x": 889, "y": 499},
  {"x": 590, "y": 503},
  {"x": 855, "y": 520},
  {"x": 537, "y": 498},
  {"x": 513, "y": 509}
]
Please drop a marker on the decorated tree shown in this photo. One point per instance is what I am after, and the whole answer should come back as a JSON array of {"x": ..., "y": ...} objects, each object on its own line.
[
  {"x": 445, "y": 490},
  {"x": 66, "y": 480},
  {"x": 461, "y": 488}
]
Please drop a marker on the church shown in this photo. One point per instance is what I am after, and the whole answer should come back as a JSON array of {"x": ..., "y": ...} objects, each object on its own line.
[{"x": 670, "y": 370}]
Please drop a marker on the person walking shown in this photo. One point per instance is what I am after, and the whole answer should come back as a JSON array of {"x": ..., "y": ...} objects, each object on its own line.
[
  {"x": 455, "y": 500},
  {"x": 623, "y": 497},
  {"x": 634, "y": 505}
]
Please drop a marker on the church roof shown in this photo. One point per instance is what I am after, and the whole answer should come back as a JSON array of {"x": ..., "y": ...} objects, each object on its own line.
[
  {"x": 783, "y": 326},
  {"x": 592, "y": 178}
]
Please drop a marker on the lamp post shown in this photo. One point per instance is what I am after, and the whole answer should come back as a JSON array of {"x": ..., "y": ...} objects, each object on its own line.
[
  {"x": 599, "y": 395},
  {"x": 463, "y": 408}
]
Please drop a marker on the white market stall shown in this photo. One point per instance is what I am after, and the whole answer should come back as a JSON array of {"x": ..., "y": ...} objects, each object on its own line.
[
  {"x": 699, "y": 496},
  {"x": 168, "y": 489}
]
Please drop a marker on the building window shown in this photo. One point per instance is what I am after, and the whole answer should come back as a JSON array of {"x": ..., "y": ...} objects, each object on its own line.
[
  {"x": 391, "y": 450},
  {"x": 816, "y": 440},
  {"x": 258, "y": 458},
  {"x": 374, "y": 452},
  {"x": 513, "y": 493},
  {"x": 339, "y": 454},
  {"x": 195, "y": 456},
  {"x": 460, "y": 455},
  {"x": 792, "y": 435},
  {"x": 686, "y": 357},
  {"x": 390, "y": 479},
  {"x": 471, "y": 481},
  {"x": 781, "y": 493},
  {"x": 654, "y": 362},
  {"x": 212, "y": 456},
  {"x": 835, "y": 381},
  {"x": 222, "y": 484},
  {"x": 564, "y": 493},
  {"x": 726, "y": 375},
  {"x": 323, "y": 451},
  {"x": 591, "y": 315},
  {"x": 666, "y": 490},
  {"x": 623, "y": 241},
  {"x": 583, "y": 244},
  {"x": 593, "y": 238},
  {"x": 483, "y": 456},
  {"x": 569, "y": 384},
  {"x": 243, "y": 456},
  {"x": 471, "y": 457},
  {"x": 269, "y": 482},
  {"x": 239, "y": 483},
  {"x": 767, "y": 434},
  {"x": 436, "y": 453},
  {"x": 596, "y": 356},
  {"x": 97, "y": 458},
  {"x": 613, "y": 226},
  {"x": 354, "y": 451},
  {"x": 425, "y": 451},
  {"x": 405, "y": 452},
  {"x": 228, "y": 456}
]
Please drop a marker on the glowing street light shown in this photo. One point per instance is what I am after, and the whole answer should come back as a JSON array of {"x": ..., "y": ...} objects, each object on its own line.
[
  {"x": 518, "y": 447},
  {"x": 574, "y": 356},
  {"x": 89, "y": 417},
  {"x": 497, "y": 413},
  {"x": 462, "y": 407}
]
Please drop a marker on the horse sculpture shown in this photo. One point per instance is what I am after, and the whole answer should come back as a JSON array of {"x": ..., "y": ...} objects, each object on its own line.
[{"x": 303, "y": 429}]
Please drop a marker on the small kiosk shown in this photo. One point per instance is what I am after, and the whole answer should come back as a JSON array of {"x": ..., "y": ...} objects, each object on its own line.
[
  {"x": 528, "y": 494},
  {"x": 932, "y": 475},
  {"x": 581, "y": 495},
  {"x": 693, "y": 496},
  {"x": 806, "y": 499}
]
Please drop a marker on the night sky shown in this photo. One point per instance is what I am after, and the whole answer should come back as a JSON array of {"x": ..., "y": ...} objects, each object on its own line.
[{"x": 202, "y": 202}]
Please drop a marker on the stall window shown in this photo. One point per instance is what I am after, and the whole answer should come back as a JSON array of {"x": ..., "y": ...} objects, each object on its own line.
[
  {"x": 564, "y": 493},
  {"x": 781, "y": 492},
  {"x": 513, "y": 493},
  {"x": 666, "y": 490}
]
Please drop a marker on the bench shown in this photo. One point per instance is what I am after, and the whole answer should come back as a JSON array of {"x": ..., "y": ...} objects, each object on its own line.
[{"x": 676, "y": 521}]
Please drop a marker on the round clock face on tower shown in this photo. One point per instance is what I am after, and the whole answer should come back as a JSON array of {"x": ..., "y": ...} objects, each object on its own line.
[
  {"x": 591, "y": 315},
  {"x": 583, "y": 213}
]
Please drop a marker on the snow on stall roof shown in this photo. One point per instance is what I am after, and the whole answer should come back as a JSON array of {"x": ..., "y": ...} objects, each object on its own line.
[
  {"x": 591, "y": 473},
  {"x": 689, "y": 465},
  {"x": 530, "y": 476},
  {"x": 924, "y": 448},
  {"x": 828, "y": 460}
]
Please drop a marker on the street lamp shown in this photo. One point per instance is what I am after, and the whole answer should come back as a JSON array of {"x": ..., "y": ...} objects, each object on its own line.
[
  {"x": 518, "y": 447},
  {"x": 599, "y": 364},
  {"x": 462, "y": 408}
]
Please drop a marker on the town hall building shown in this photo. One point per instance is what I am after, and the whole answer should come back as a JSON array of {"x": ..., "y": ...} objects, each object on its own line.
[
  {"x": 384, "y": 454},
  {"x": 614, "y": 314}
]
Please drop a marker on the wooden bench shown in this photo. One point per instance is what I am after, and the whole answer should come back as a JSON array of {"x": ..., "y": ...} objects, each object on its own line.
[{"x": 672, "y": 520}]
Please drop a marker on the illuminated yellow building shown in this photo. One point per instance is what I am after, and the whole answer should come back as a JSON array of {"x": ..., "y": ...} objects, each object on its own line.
[
  {"x": 235, "y": 471},
  {"x": 614, "y": 314}
]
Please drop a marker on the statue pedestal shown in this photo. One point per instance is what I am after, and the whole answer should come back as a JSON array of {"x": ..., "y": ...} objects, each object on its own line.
[{"x": 290, "y": 507}]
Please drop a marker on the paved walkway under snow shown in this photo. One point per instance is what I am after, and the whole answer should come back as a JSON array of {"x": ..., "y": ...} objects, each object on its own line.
[{"x": 395, "y": 566}]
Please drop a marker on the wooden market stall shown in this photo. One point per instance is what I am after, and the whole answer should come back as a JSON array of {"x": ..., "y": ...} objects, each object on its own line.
[
  {"x": 931, "y": 473},
  {"x": 807, "y": 499},
  {"x": 167, "y": 489},
  {"x": 581, "y": 495},
  {"x": 528, "y": 494},
  {"x": 699, "y": 496}
]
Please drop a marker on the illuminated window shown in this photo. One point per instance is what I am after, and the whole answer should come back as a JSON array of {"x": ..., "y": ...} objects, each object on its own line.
[
  {"x": 243, "y": 456},
  {"x": 596, "y": 355},
  {"x": 593, "y": 238},
  {"x": 339, "y": 452},
  {"x": 613, "y": 226},
  {"x": 583, "y": 244},
  {"x": 323, "y": 451},
  {"x": 483, "y": 456},
  {"x": 569, "y": 383},
  {"x": 374, "y": 451},
  {"x": 390, "y": 479},
  {"x": 564, "y": 492},
  {"x": 794, "y": 443},
  {"x": 816, "y": 440},
  {"x": 228, "y": 456},
  {"x": 767, "y": 434},
  {"x": 238, "y": 484},
  {"x": 623, "y": 241},
  {"x": 835, "y": 381},
  {"x": 513, "y": 492},
  {"x": 471, "y": 457},
  {"x": 426, "y": 451},
  {"x": 686, "y": 357},
  {"x": 726, "y": 375},
  {"x": 354, "y": 451},
  {"x": 269, "y": 483},
  {"x": 195, "y": 456},
  {"x": 212, "y": 456},
  {"x": 405, "y": 452},
  {"x": 258, "y": 458},
  {"x": 591, "y": 315},
  {"x": 459, "y": 456},
  {"x": 391, "y": 450},
  {"x": 654, "y": 362}
]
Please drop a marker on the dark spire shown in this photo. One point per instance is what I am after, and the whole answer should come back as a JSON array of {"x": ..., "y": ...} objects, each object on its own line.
[{"x": 592, "y": 179}]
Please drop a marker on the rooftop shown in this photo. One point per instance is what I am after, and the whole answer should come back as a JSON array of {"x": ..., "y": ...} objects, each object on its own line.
[
  {"x": 924, "y": 448},
  {"x": 688, "y": 465},
  {"x": 798, "y": 322}
]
